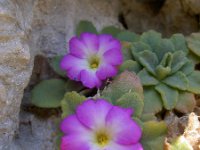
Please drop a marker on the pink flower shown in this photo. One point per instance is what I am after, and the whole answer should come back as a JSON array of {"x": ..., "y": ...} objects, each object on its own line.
[
  {"x": 92, "y": 58},
  {"x": 98, "y": 125}
]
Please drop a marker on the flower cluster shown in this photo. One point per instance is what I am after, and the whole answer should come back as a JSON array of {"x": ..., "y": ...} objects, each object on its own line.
[
  {"x": 98, "y": 125},
  {"x": 92, "y": 58}
]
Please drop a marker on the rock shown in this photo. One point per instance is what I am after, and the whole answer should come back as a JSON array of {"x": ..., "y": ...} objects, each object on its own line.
[
  {"x": 15, "y": 70},
  {"x": 168, "y": 17},
  {"x": 29, "y": 28},
  {"x": 191, "y": 6}
]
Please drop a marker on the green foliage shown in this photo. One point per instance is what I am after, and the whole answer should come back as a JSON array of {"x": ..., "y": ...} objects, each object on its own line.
[
  {"x": 85, "y": 26},
  {"x": 70, "y": 102},
  {"x": 132, "y": 100},
  {"x": 126, "y": 82},
  {"x": 48, "y": 93},
  {"x": 127, "y": 36},
  {"x": 153, "y": 135},
  {"x": 193, "y": 42},
  {"x": 130, "y": 65},
  {"x": 166, "y": 69},
  {"x": 111, "y": 30},
  {"x": 55, "y": 64}
]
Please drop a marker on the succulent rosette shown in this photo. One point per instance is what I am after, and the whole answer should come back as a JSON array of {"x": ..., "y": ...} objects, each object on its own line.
[
  {"x": 92, "y": 58},
  {"x": 98, "y": 125},
  {"x": 168, "y": 76}
]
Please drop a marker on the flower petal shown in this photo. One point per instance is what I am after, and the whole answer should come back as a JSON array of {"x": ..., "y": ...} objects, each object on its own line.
[
  {"x": 73, "y": 66},
  {"x": 107, "y": 42},
  {"x": 106, "y": 71},
  {"x": 74, "y": 142},
  {"x": 114, "y": 146},
  {"x": 89, "y": 79},
  {"x": 113, "y": 56},
  {"x": 77, "y": 48},
  {"x": 125, "y": 130},
  {"x": 71, "y": 125},
  {"x": 91, "y": 42},
  {"x": 93, "y": 113}
]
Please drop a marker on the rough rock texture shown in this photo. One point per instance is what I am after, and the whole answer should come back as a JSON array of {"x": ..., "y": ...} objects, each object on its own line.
[
  {"x": 166, "y": 16},
  {"x": 43, "y": 26},
  {"x": 15, "y": 70}
]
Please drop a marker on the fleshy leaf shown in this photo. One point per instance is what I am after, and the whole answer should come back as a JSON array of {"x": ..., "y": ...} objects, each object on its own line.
[
  {"x": 55, "y": 64},
  {"x": 169, "y": 95},
  {"x": 165, "y": 46},
  {"x": 179, "y": 42},
  {"x": 148, "y": 117},
  {"x": 162, "y": 71},
  {"x": 151, "y": 38},
  {"x": 48, "y": 93},
  {"x": 177, "y": 80},
  {"x": 194, "y": 82},
  {"x": 123, "y": 83},
  {"x": 178, "y": 61},
  {"x": 152, "y": 101},
  {"x": 127, "y": 36},
  {"x": 130, "y": 65},
  {"x": 127, "y": 55},
  {"x": 147, "y": 79},
  {"x": 111, "y": 30},
  {"x": 153, "y": 135},
  {"x": 194, "y": 43},
  {"x": 194, "y": 58},
  {"x": 186, "y": 102},
  {"x": 132, "y": 100},
  {"x": 149, "y": 60},
  {"x": 70, "y": 102},
  {"x": 188, "y": 68},
  {"x": 139, "y": 47},
  {"x": 85, "y": 26}
]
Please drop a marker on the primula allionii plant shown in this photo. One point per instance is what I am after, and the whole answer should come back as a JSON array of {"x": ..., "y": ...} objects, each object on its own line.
[
  {"x": 167, "y": 74},
  {"x": 98, "y": 125},
  {"x": 92, "y": 58}
]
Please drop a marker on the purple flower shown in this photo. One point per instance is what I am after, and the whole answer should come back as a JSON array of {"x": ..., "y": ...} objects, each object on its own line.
[
  {"x": 98, "y": 125},
  {"x": 92, "y": 58}
]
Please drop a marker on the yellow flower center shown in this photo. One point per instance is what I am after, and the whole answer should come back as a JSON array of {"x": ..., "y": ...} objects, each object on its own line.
[
  {"x": 102, "y": 139},
  {"x": 94, "y": 62}
]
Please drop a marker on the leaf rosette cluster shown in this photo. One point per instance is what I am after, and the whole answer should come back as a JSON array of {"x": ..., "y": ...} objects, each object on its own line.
[{"x": 168, "y": 76}]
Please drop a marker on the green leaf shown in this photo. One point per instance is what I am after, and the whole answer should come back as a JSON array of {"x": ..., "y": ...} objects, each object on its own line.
[
  {"x": 180, "y": 144},
  {"x": 70, "y": 101},
  {"x": 147, "y": 79},
  {"x": 179, "y": 60},
  {"x": 186, "y": 102},
  {"x": 177, "y": 80},
  {"x": 48, "y": 93},
  {"x": 194, "y": 58},
  {"x": 138, "y": 121},
  {"x": 162, "y": 71},
  {"x": 131, "y": 66},
  {"x": 139, "y": 47},
  {"x": 55, "y": 64},
  {"x": 124, "y": 83},
  {"x": 149, "y": 60},
  {"x": 127, "y": 55},
  {"x": 85, "y": 26},
  {"x": 127, "y": 36},
  {"x": 111, "y": 30},
  {"x": 152, "y": 39},
  {"x": 152, "y": 101},
  {"x": 154, "y": 135},
  {"x": 169, "y": 95},
  {"x": 148, "y": 117},
  {"x": 179, "y": 42},
  {"x": 194, "y": 82},
  {"x": 193, "y": 42},
  {"x": 165, "y": 46},
  {"x": 188, "y": 68},
  {"x": 73, "y": 86},
  {"x": 132, "y": 100}
]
